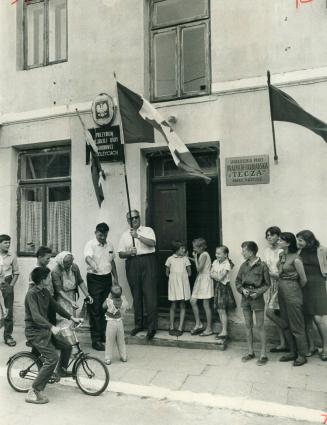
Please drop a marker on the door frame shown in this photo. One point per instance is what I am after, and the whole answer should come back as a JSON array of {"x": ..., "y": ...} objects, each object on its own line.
[
  {"x": 151, "y": 180},
  {"x": 163, "y": 151}
]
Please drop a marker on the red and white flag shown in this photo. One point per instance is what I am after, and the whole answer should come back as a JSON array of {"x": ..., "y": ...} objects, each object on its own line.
[{"x": 139, "y": 119}]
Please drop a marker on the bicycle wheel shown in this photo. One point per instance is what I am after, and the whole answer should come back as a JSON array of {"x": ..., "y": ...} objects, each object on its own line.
[
  {"x": 22, "y": 369},
  {"x": 92, "y": 375}
]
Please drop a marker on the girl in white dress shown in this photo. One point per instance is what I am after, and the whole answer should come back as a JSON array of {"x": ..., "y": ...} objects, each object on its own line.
[
  {"x": 203, "y": 287},
  {"x": 178, "y": 269}
]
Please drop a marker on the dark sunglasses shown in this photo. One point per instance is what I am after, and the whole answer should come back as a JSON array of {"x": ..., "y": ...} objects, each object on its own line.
[{"x": 135, "y": 217}]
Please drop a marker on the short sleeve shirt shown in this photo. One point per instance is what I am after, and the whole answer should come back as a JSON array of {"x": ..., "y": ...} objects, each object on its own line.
[
  {"x": 177, "y": 264},
  {"x": 102, "y": 255},
  {"x": 126, "y": 241},
  {"x": 8, "y": 266},
  {"x": 221, "y": 271}
]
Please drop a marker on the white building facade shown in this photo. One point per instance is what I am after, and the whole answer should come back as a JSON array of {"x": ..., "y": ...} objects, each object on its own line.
[{"x": 203, "y": 64}]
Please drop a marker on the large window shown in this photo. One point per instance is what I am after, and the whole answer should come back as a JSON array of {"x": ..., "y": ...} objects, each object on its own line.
[
  {"x": 45, "y": 32},
  {"x": 44, "y": 200},
  {"x": 179, "y": 48}
]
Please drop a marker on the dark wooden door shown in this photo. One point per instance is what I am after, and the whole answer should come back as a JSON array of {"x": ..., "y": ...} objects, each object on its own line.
[{"x": 169, "y": 213}]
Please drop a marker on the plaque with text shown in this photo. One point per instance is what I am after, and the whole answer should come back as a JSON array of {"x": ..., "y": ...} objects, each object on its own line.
[
  {"x": 107, "y": 139},
  {"x": 244, "y": 170}
]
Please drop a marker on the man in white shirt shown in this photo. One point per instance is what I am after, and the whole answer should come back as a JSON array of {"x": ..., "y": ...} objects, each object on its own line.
[
  {"x": 101, "y": 274},
  {"x": 137, "y": 246}
]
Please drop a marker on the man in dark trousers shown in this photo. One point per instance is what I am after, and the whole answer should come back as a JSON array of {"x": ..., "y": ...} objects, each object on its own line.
[
  {"x": 40, "y": 333},
  {"x": 8, "y": 277},
  {"x": 101, "y": 274},
  {"x": 141, "y": 271}
]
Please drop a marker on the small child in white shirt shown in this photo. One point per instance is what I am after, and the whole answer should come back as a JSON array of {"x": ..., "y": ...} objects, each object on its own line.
[{"x": 115, "y": 306}]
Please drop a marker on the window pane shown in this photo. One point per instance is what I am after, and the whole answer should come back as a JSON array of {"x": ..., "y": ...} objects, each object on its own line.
[
  {"x": 45, "y": 165},
  {"x": 57, "y": 30},
  {"x": 35, "y": 33},
  {"x": 58, "y": 218},
  {"x": 30, "y": 219},
  {"x": 194, "y": 68},
  {"x": 165, "y": 61},
  {"x": 173, "y": 11}
]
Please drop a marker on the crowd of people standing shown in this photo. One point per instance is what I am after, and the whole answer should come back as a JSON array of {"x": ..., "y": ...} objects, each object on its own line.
[{"x": 288, "y": 285}]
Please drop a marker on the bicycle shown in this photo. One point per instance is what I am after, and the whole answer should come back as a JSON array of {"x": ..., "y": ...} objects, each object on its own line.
[{"x": 90, "y": 373}]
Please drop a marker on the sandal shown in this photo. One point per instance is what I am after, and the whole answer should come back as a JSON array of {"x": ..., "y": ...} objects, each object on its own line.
[
  {"x": 323, "y": 357},
  {"x": 262, "y": 360},
  {"x": 10, "y": 341},
  {"x": 248, "y": 357},
  {"x": 221, "y": 337},
  {"x": 312, "y": 353},
  {"x": 206, "y": 333},
  {"x": 197, "y": 331}
]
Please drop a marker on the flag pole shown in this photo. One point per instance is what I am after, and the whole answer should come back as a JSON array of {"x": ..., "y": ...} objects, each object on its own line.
[
  {"x": 124, "y": 160},
  {"x": 271, "y": 118}
]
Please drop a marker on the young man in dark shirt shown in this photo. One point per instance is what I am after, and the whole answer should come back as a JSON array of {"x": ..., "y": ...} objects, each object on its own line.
[
  {"x": 252, "y": 282},
  {"x": 40, "y": 333}
]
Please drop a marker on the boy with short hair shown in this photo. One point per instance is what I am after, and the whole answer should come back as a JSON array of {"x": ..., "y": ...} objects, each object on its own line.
[
  {"x": 8, "y": 277},
  {"x": 40, "y": 333},
  {"x": 43, "y": 256},
  {"x": 252, "y": 282}
]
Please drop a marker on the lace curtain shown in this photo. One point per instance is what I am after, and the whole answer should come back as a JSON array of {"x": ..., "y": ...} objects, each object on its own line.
[
  {"x": 59, "y": 225},
  {"x": 31, "y": 225}
]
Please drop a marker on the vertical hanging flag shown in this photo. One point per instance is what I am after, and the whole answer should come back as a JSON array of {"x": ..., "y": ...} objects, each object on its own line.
[
  {"x": 139, "y": 119},
  {"x": 97, "y": 173},
  {"x": 285, "y": 108}
]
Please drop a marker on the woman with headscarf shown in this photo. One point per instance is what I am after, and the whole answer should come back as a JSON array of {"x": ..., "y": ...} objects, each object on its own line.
[
  {"x": 314, "y": 258},
  {"x": 66, "y": 279}
]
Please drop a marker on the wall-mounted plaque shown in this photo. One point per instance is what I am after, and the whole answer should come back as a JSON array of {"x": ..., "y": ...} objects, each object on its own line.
[
  {"x": 107, "y": 139},
  {"x": 243, "y": 170}
]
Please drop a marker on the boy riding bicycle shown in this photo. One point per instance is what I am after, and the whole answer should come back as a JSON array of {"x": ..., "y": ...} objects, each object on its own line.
[{"x": 40, "y": 333}]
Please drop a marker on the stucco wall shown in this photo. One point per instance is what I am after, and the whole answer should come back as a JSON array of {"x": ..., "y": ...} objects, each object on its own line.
[{"x": 247, "y": 38}]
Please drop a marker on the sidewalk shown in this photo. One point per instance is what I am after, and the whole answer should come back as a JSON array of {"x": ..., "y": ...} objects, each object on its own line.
[{"x": 213, "y": 372}]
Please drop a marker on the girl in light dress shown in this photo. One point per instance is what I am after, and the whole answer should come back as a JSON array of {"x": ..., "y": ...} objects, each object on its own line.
[
  {"x": 271, "y": 258},
  {"x": 224, "y": 298},
  {"x": 203, "y": 287},
  {"x": 178, "y": 270}
]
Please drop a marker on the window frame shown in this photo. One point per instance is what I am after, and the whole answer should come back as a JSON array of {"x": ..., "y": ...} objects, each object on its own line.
[
  {"x": 46, "y": 55},
  {"x": 44, "y": 184},
  {"x": 178, "y": 26}
]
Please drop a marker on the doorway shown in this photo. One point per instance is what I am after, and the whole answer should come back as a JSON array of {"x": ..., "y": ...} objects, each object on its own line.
[{"x": 183, "y": 207}]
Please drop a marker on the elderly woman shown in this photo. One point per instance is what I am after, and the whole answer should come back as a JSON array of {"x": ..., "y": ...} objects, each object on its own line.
[
  {"x": 66, "y": 279},
  {"x": 314, "y": 258}
]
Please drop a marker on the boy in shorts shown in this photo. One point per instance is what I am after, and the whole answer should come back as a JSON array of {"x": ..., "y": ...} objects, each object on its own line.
[{"x": 252, "y": 282}]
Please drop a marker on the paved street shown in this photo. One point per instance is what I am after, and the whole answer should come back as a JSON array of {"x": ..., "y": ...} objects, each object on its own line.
[
  {"x": 69, "y": 406},
  {"x": 185, "y": 385}
]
